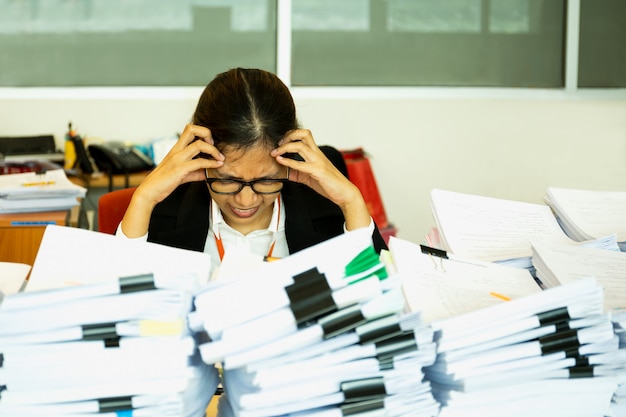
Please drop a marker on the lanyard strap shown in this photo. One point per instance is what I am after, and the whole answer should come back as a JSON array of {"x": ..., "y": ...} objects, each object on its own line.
[{"x": 220, "y": 245}]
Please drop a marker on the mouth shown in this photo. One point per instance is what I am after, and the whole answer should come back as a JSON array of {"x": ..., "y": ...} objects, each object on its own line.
[{"x": 244, "y": 213}]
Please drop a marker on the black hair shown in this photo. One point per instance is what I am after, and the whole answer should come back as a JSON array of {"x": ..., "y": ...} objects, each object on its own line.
[{"x": 246, "y": 107}]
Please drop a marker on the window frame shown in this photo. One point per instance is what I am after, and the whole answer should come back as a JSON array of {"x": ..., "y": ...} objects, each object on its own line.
[{"x": 283, "y": 70}]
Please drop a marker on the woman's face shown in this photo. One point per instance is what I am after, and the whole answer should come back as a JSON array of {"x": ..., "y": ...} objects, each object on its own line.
[{"x": 247, "y": 211}]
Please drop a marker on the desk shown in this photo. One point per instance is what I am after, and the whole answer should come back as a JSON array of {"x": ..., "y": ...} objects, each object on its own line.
[
  {"x": 98, "y": 184},
  {"x": 21, "y": 233},
  {"x": 102, "y": 180}
]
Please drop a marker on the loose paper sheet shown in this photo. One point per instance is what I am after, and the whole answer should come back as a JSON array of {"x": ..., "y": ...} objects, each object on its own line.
[
  {"x": 12, "y": 276},
  {"x": 443, "y": 288},
  {"x": 96, "y": 256}
]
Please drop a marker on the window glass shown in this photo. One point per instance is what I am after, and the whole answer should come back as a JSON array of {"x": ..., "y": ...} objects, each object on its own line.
[
  {"x": 132, "y": 42},
  {"x": 499, "y": 43},
  {"x": 602, "y": 44}
]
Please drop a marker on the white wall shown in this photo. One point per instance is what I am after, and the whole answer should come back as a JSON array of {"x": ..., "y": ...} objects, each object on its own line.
[{"x": 504, "y": 147}]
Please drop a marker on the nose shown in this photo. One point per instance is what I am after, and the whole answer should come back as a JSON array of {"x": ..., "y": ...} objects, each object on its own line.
[{"x": 246, "y": 197}]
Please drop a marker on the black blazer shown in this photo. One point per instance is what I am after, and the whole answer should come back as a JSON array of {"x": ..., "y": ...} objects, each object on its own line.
[{"x": 182, "y": 219}]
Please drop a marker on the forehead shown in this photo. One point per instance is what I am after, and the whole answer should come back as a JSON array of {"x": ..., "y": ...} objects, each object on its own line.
[{"x": 248, "y": 163}]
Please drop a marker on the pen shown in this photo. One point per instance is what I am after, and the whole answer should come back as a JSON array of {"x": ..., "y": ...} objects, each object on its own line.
[
  {"x": 500, "y": 296},
  {"x": 38, "y": 183}
]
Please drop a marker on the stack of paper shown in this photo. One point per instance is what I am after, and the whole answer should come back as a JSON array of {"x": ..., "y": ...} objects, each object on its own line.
[
  {"x": 12, "y": 277},
  {"x": 323, "y": 330},
  {"x": 505, "y": 347},
  {"x": 370, "y": 368},
  {"x": 112, "y": 346},
  {"x": 69, "y": 256},
  {"x": 554, "y": 352},
  {"x": 560, "y": 264},
  {"x": 441, "y": 288},
  {"x": 81, "y": 341},
  {"x": 491, "y": 229},
  {"x": 619, "y": 398},
  {"x": 43, "y": 191},
  {"x": 588, "y": 214}
]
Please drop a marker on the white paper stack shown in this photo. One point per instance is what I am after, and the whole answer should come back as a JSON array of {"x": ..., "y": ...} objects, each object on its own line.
[
  {"x": 326, "y": 332},
  {"x": 618, "y": 404},
  {"x": 382, "y": 374},
  {"x": 504, "y": 346},
  {"x": 559, "y": 264},
  {"x": 441, "y": 286},
  {"x": 492, "y": 229},
  {"x": 104, "y": 347},
  {"x": 588, "y": 214},
  {"x": 553, "y": 352},
  {"x": 32, "y": 192},
  {"x": 87, "y": 339}
]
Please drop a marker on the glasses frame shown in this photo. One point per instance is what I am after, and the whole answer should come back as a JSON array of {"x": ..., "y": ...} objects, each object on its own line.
[{"x": 243, "y": 184}]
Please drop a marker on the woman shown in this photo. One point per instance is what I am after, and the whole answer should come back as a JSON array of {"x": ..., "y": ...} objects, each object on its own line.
[{"x": 244, "y": 173}]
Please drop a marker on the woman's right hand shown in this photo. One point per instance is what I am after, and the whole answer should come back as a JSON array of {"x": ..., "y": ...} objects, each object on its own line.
[{"x": 179, "y": 166}]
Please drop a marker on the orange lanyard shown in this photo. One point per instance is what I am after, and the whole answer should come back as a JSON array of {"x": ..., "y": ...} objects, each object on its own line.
[{"x": 220, "y": 245}]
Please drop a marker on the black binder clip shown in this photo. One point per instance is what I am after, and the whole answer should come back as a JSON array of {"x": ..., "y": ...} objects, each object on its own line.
[{"x": 435, "y": 253}]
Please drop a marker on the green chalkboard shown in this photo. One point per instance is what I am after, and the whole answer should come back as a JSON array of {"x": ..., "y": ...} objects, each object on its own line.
[{"x": 187, "y": 49}]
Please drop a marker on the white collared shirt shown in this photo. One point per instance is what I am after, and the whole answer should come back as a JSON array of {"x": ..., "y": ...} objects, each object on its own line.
[{"x": 257, "y": 242}]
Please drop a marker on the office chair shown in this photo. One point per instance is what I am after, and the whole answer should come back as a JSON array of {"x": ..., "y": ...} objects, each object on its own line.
[{"x": 111, "y": 209}]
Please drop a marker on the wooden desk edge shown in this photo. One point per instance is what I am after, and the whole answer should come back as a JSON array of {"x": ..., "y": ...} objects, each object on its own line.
[{"x": 101, "y": 180}]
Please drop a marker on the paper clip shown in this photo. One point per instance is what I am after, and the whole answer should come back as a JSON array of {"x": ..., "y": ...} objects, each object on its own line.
[{"x": 435, "y": 253}]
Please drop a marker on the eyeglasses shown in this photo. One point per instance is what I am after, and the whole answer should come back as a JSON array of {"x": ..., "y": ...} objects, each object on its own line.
[{"x": 233, "y": 186}]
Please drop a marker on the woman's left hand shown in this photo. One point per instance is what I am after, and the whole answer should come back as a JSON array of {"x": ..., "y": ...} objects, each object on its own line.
[{"x": 317, "y": 172}]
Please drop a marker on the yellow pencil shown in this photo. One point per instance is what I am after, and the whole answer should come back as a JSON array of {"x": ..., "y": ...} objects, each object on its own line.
[
  {"x": 270, "y": 258},
  {"x": 500, "y": 296},
  {"x": 34, "y": 184}
]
